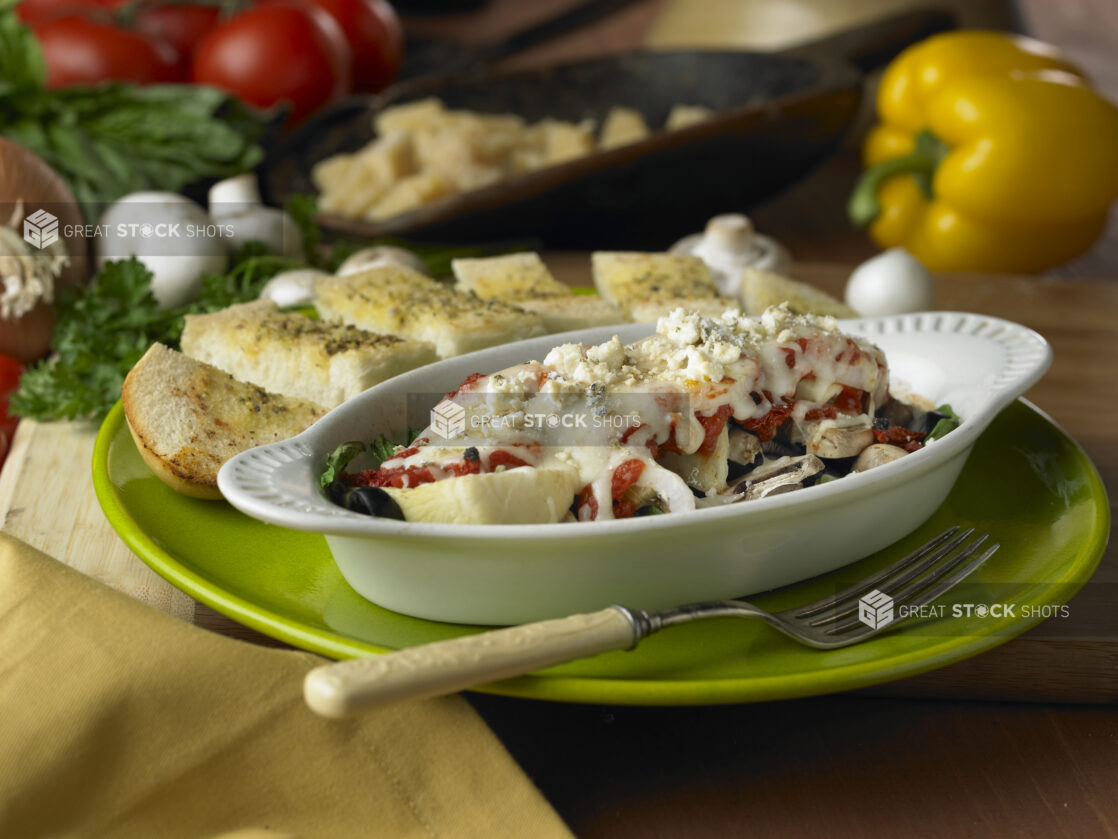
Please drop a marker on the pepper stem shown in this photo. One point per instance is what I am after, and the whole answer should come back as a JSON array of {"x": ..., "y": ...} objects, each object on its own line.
[{"x": 921, "y": 163}]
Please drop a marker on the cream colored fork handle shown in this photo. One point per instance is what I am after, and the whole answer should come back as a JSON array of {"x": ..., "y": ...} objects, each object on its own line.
[{"x": 341, "y": 689}]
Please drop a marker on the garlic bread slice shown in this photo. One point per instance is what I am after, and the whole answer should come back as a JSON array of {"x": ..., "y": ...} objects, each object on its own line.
[
  {"x": 187, "y": 418},
  {"x": 509, "y": 278},
  {"x": 396, "y": 300},
  {"x": 762, "y": 289},
  {"x": 564, "y": 314},
  {"x": 517, "y": 496},
  {"x": 628, "y": 277},
  {"x": 289, "y": 353}
]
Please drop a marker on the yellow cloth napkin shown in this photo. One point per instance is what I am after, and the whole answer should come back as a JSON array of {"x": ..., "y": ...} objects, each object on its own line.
[{"x": 117, "y": 720}]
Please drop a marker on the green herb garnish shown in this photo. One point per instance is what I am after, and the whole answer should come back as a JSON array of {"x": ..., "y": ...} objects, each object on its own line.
[
  {"x": 338, "y": 460},
  {"x": 381, "y": 449},
  {"x": 103, "y": 330},
  {"x": 116, "y": 138},
  {"x": 947, "y": 423}
]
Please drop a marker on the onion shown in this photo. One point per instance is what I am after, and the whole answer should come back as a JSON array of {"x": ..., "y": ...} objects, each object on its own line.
[{"x": 28, "y": 185}]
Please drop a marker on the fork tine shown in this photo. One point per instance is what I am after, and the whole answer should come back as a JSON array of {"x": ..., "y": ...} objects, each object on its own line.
[
  {"x": 928, "y": 594},
  {"x": 906, "y": 572},
  {"x": 869, "y": 584},
  {"x": 928, "y": 588}
]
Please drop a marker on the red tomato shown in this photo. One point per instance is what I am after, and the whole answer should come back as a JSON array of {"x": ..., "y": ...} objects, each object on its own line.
[
  {"x": 280, "y": 51},
  {"x": 82, "y": 51},
  {"x": 180, "y": 25},
  {"x": 375, "y": 38},
  {"x": 34, "y": 11},
  {"x": 10, "y": 371}
]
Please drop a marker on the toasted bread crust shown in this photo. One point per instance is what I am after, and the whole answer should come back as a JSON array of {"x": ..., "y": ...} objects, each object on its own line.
[
  {"x": 196, "y": 486},
  {"x": 187, "y": 418}
]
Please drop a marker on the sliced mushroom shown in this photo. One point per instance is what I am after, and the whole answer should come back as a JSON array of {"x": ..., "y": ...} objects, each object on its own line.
[
  {"x": 779, "y": 476},
  {"x": 826, "y": 439},
  {"x": 744, "y": 452},
  {"x": 877, "y": 455}
]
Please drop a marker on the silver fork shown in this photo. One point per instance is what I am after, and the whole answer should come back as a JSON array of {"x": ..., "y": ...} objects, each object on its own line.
[{"x": 343, "y": 688}]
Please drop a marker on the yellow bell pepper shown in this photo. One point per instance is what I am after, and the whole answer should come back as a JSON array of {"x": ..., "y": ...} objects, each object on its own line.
[{"x": 992, "y": 154}]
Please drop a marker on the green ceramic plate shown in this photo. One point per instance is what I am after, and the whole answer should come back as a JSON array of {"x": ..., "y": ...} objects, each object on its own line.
[{"x": 1026, "y": 483}]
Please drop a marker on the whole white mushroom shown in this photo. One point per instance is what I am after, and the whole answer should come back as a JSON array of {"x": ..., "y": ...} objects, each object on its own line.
[
  {"x": 171, "y": 235},
  {"x": 367, "y": 258},
  {"x": 273, "y": 228},
  {"x": 891, "y": 283},
  {"x": 292, "y": 288},
  {"x": 728, "y": 246},
  {"x": 235, "y": 204}
]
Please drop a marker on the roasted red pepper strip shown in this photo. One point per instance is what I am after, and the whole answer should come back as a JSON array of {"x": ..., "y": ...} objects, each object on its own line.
[
  {"x": 765, "y": 427},
  {"x": 627, "y": 474},
  {"x": 850, "y": 400},
  {"x": 898, "y": 435},
  {"x": 401, "y": 477},
  {"x": 712, "y": 427},
  {"x": 469, "y": 380},
  {"x": 624, "y": 476},
  {"x": 506, "y": 459}
]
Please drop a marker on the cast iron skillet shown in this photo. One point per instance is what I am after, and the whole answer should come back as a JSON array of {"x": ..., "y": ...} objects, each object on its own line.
[{"x": 778, "y": 115}]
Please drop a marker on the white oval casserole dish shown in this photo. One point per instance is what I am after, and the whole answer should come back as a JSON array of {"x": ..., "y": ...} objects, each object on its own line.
[{"x": 505, "y": 574}]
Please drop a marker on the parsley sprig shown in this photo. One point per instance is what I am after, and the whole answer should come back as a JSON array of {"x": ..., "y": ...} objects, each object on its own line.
[{"x": 103, "y": 330}]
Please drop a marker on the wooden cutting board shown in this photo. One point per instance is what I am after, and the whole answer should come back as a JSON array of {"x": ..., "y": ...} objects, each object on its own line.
[{"x": 47, "y": 499}]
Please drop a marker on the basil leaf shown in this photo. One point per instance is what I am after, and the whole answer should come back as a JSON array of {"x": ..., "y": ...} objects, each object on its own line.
[
  {"x": 337, "y": 460},
  {"x": 382, "y": 448},
  {"x": 115, "y": 138},
  {"x": 947, "y": 424},
  {"x": 22, "y": 65}
]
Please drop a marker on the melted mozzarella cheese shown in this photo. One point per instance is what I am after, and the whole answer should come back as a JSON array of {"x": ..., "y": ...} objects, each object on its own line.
[{"x": 690, "y": 369}]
